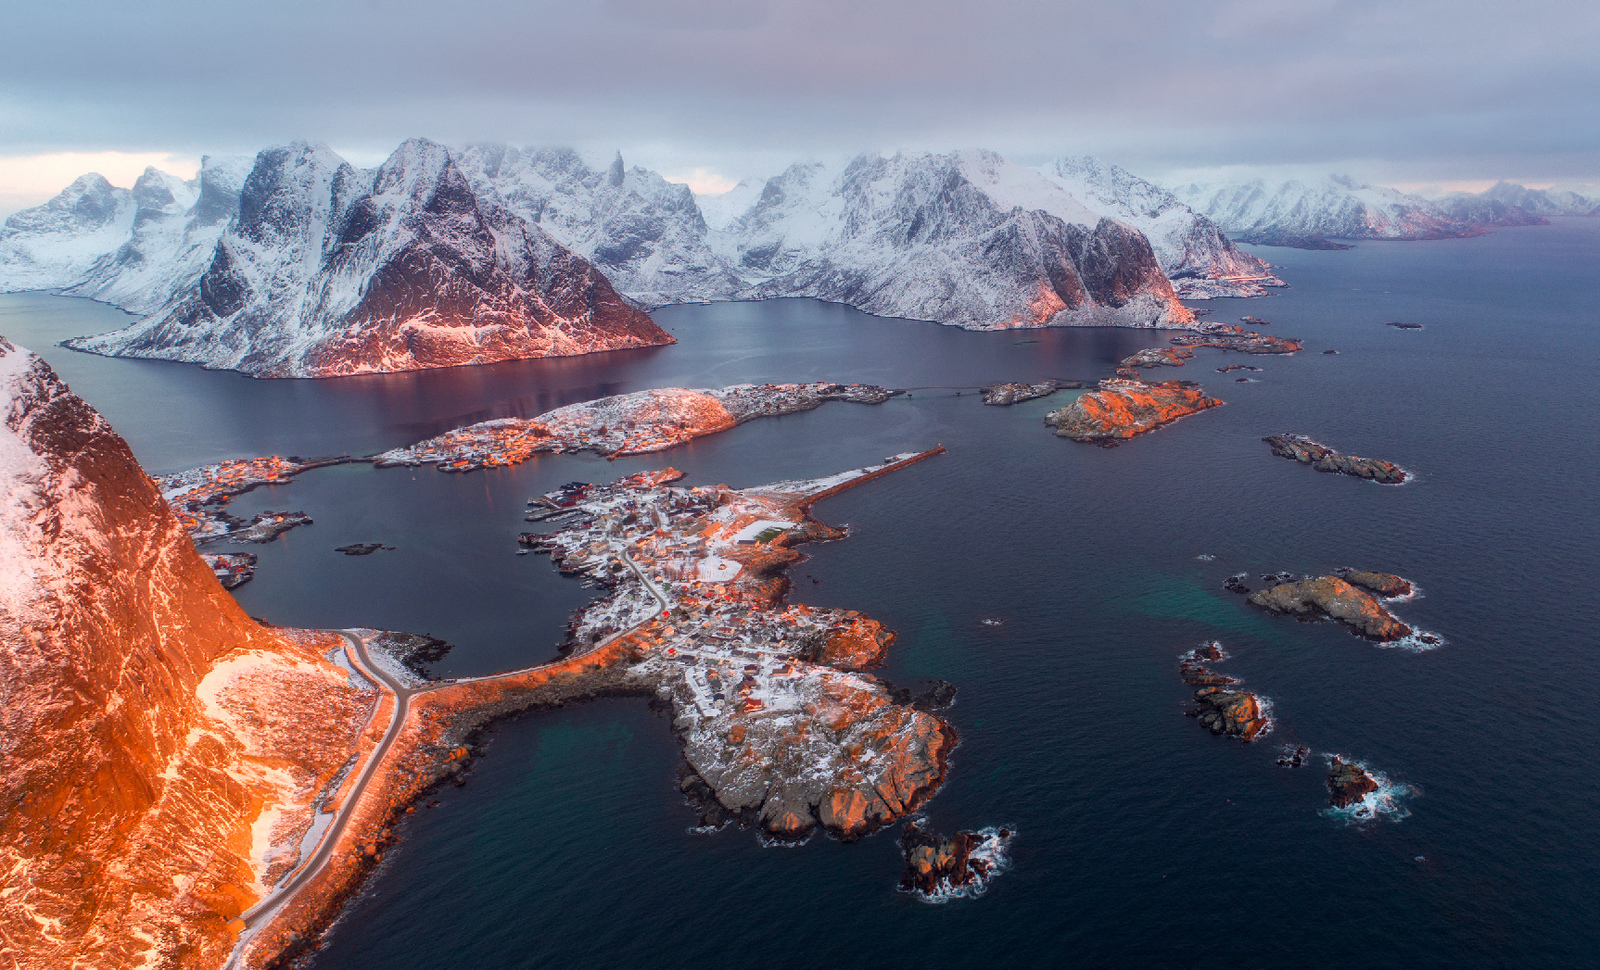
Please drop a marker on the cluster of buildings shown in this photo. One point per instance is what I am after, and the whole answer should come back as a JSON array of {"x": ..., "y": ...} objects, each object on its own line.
[
  {"x": 702, "y": 565},
  {"x": 198, "y": 495},
  {"x": 624, "y": 424}
]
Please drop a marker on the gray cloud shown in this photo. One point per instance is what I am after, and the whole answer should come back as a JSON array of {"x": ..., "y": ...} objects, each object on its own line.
[{"x": 1426, "y": 89}]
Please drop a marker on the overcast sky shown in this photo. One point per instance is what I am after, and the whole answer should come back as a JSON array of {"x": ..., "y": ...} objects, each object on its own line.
[{"x": 1419, "y": 92}]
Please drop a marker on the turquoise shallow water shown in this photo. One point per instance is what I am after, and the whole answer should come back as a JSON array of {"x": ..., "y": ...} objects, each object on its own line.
[{"x": 1143, "y": 841}]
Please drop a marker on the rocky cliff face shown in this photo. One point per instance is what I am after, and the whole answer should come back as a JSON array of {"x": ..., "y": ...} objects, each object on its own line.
[
  {"x": 968, "y": 239},
  {"x": 144, "y": 766},
  {"x": 1199, "y": 259},
  {"x": 1298, "y": 212},
  {"x": 327, "y": 270},
  {"x": 645, "y": 233}
]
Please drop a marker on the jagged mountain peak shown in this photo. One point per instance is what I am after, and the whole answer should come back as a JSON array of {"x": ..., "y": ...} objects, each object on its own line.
[{"x": 1193, "y": 252}]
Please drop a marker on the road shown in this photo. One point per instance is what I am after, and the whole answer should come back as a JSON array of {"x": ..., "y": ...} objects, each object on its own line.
[{"x": 261, "y": 915}]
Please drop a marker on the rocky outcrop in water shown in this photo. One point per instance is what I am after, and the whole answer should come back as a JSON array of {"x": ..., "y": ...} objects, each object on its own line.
[
  {"x": 1384, "y": 584},
  {"x": 1005, "y": 395},
  {"x": 1233, "y": 712},
  {"x": 1122, "y": 409},
  {"x": 1348, "y": 783},
  {"x": 1330, "y": 596},
  {"x": 1324, "y": 459},
  {"x": 940, "y": 867}
]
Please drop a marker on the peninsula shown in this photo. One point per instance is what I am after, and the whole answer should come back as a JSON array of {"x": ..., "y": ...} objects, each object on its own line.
[{"x": 779, "y": 728}]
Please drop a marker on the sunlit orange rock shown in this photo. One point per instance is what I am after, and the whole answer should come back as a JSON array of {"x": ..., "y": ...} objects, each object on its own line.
[
  {"x": 1122, "y": 409},
  {"x": 158, "y": 748}
]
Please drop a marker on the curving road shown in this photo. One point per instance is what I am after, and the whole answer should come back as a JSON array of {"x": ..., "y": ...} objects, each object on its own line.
[{"x": 261, "y": 915}]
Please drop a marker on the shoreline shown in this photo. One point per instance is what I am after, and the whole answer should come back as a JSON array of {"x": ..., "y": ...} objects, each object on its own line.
[{"x": 437, "y": 738}]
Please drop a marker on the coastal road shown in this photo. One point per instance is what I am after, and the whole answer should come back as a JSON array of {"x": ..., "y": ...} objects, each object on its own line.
[{"x": 262, "y": 914}]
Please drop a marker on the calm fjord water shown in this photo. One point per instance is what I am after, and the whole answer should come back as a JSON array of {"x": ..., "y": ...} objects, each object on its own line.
[{"x": 1143, "y": 841}]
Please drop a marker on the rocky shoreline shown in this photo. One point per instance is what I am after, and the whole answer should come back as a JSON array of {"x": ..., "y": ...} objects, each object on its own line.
[
  {"x": 624, "y": 424},
  {"x": 769, "y": 738},
  {"x": 1324, "y": 459}
]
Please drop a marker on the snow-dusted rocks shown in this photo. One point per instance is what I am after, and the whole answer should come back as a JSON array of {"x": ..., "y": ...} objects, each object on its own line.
[
  {"x": 1196, "y": 256},
  {"x": 968, "y": 239},
  {"x": 645, "y": 233},
  {"x": 1295, "y": 213},
  {"x": 160, "y": 751},
  {"x": 327, "y": 270}
]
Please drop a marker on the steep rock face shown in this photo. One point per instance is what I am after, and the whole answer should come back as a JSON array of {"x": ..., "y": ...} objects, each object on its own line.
[
  {"x": 328, "y": 271},
  {"x": 1336, "y": 207},
  {"x": 1196, "y": 256},
  {"x": 127, "y": 837},
  {"x": 968, "y": 239},
  {"x": 55, "y": 244},
  {"x": 646, "y": 234},
  {"x": 173, "y": 237}
]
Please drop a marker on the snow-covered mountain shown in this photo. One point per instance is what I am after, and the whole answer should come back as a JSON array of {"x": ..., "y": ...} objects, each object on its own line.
[
  {"x": 1197, "y": 257},
  {"x": 132, "y": 248},
  {"x": 56, "y": 244},
  {"x": 1481, "y": 210},
  {"x": 329, "y": 270},
  {"x": 645, "y": 233},
  {"x": 1542, "y": 202},
  {"x": 176, "y": 225},
  {"x": 300, "y": 264},
  {"x": 1296, "y": 213},
  {"x": 966, "y": 238}
]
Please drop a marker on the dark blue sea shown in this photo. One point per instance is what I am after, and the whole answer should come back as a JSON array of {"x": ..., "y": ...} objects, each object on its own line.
[{"x": 1142, "y": 840}]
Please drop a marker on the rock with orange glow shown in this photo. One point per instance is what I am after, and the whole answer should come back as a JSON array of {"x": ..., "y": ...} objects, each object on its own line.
[
  {"x": 159, "y": 750},
  {"x": 411, "y": 270},
  {"x": 1233, "y": 712},
  {"x": 624, "y": 424},
  {"x": 1122, "y": 409},
  {"x": 1331, "y": 596}
]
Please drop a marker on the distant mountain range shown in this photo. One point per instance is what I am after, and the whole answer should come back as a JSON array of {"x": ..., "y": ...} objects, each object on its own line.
[
  {"x": 297, "y": 263},
  {"x": 300, "y": 264},
  {"x": 1312, "y": 213}
]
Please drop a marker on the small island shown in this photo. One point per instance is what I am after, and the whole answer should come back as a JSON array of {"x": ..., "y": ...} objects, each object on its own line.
[
  {"x": 1315, "y": 597},
  {"x": 961, "y": 865},
  {"x": 1237, "y": 713},
  {"x": 1348, "y": 783},
  {"x": 1122, "y": 409},
  {"x": 1302, "y": 449}
]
